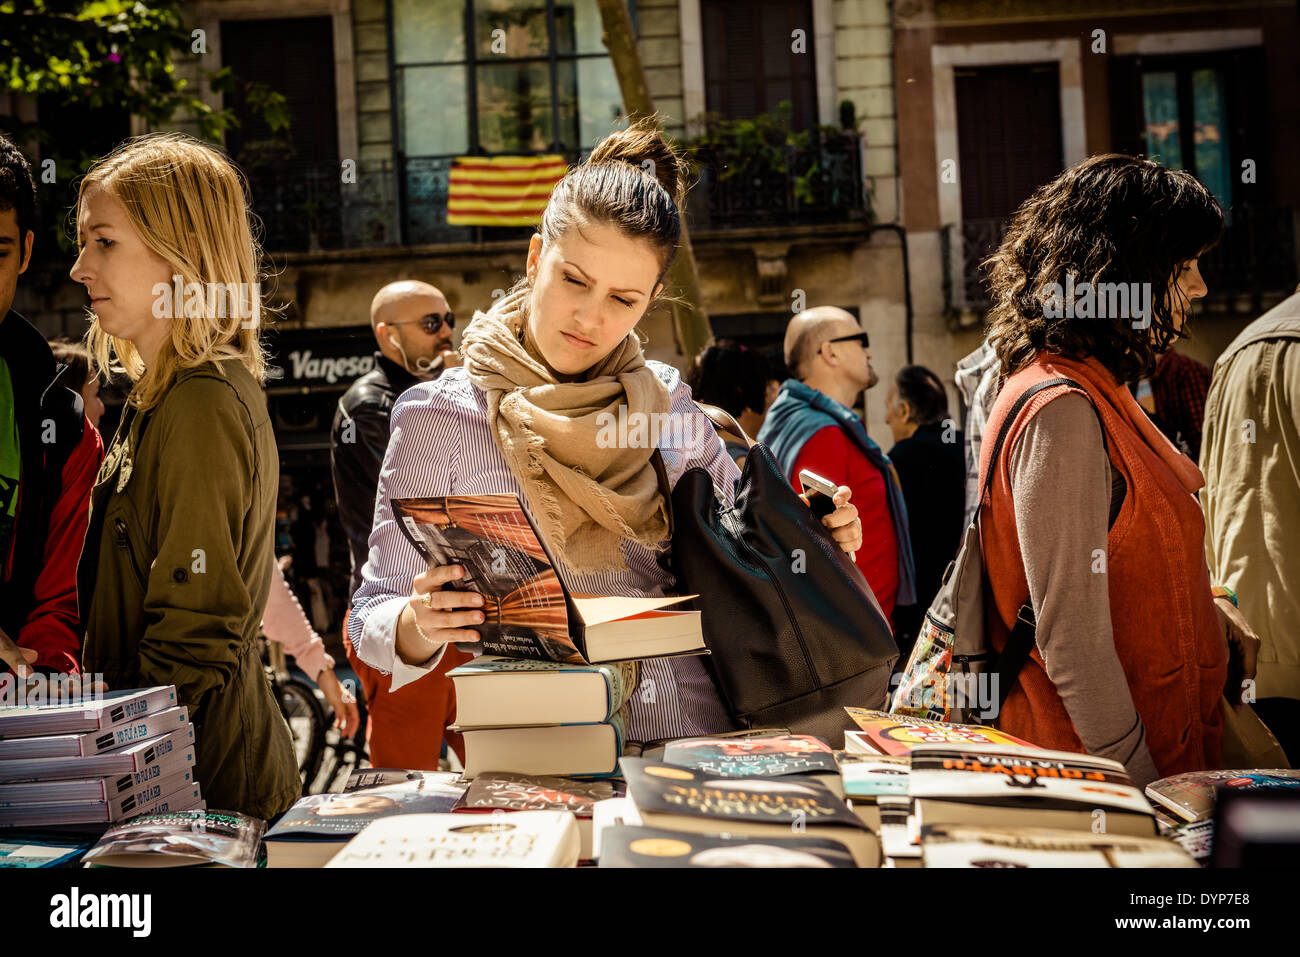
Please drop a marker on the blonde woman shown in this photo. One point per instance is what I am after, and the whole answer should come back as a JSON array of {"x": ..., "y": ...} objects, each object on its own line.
[{"x": 175, "y": 571}]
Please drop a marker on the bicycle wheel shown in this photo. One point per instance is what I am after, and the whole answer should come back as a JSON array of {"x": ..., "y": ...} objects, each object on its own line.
[{"x": 307, "y": 724}]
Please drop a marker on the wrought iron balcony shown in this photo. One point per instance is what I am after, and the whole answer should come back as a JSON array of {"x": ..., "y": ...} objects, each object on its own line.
[{"x": 1253, "y": 262}]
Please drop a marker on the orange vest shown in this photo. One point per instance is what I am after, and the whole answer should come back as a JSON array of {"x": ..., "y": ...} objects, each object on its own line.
[{"x": 1166, "y": 628}]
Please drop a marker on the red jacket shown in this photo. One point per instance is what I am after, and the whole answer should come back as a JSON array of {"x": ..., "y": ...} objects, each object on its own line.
[{"x": 832, "y": 455}]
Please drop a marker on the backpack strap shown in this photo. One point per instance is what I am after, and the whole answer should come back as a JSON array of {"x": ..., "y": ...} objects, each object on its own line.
[{"x": 1020, "y": 643}]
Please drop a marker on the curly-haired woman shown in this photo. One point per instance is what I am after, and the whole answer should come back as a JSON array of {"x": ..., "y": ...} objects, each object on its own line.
[{"x": 1092, "y": 514}]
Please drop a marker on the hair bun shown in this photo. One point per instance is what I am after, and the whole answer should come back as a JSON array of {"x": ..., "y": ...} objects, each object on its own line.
[{"x": 643, "y": 145}]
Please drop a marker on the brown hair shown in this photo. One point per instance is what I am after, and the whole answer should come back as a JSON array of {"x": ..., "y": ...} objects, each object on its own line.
[
  {"x": 633, "y": 180},
  {"x": 76, "y": 357},
  {"x": 1110, "y": 219}
]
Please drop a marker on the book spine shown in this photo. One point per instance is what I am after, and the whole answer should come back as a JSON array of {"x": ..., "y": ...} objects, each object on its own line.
[
  {"x": 151, "y": 727},
  {"x": 181, "y": 759},
  {"x": 168, "y": 795},
  {"x": 620, "y": 681},
  {"x": 136, "y": 707}
]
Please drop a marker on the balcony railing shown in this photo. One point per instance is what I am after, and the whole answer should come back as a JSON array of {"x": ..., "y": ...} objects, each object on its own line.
[
  {"x": 1255, "y": 259},
  {"x": 819, "y": 184},
  {"x": 310, "y": 207}
]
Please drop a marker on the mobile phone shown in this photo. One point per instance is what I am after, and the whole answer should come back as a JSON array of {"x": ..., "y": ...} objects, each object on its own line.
[{"x": 820, "y": 492}]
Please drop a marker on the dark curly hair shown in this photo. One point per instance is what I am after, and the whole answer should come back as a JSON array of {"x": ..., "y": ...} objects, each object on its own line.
[{"x": 1110, "y": 219}]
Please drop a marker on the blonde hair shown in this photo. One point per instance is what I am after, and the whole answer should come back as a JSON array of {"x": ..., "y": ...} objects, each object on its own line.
[{"x": 187, "y": 203}]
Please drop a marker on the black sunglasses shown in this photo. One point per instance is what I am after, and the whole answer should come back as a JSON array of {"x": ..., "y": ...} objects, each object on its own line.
[
  {"x": 857, "y": 336},
  {"x": 432, "y": 322}
]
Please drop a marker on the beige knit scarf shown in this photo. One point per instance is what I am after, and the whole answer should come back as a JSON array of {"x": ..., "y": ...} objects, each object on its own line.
[{"x": 585, "y": 498}]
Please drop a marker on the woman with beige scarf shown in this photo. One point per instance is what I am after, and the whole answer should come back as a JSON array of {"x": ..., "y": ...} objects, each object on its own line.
[{"x": 545, "y": 368}]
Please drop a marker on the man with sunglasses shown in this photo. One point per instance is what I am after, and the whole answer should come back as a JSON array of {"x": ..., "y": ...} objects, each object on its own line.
[
  {"x": 413, "y": 327},
  {"x": 812, "y": 425}
]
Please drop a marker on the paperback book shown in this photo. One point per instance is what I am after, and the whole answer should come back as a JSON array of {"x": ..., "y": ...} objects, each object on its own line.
[
  {"x": 1193, "y": 796},
  {"x": 500, "y": 791},
  {"x": 681, "y": 799},
  {"x": 181, "y": 839},
  {"x": 570, "y": 750},
  {"x": 966, "y": 846},
  {"x": 101, "y": 713},
  {"x": 86, "y": 743},
  {"x": 97, "y": 789},
  {"x": 885, "y": 733},
  {"x": 127, "y": 760},
  {"x": 175, "y": 793},
  {"x": 631, "y": 846},
  {"x": 526, "y": 839},
  {"x": 1029, "y": 787},
  {"x": 492, "y": 691},
  {"x": 529, "y": 613}
]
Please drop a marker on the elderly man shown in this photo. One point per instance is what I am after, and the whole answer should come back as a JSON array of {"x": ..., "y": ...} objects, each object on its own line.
[
  {"x": 811, "y": 425},
  {"x": 413, "y": 328}
]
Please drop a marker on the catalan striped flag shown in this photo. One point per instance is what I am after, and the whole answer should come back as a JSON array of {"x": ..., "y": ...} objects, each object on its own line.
[{"x": 501, "y": 190}]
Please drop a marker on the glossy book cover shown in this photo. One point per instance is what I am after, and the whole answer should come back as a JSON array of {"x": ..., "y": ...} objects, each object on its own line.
[
  {"x": 658, "y": 788},
  {"x": 767, "y": 756}
]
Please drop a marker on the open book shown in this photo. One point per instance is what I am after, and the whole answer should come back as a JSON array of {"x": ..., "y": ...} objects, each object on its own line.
[{"x": 528, "y": 611}]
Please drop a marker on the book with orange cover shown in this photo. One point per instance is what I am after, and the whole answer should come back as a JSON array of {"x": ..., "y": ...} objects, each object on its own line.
[
  {"x": 885, "y": 733},
  {"x": 528, "y": 610}
]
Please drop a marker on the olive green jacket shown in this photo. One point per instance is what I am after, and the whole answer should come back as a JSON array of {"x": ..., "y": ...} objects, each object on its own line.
[{"x": 176, "y": 570}]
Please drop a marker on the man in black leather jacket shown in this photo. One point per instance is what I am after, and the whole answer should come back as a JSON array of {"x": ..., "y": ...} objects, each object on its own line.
[
  {"x": 413, "y": 328},
  {"x": 407, "y": 354}
]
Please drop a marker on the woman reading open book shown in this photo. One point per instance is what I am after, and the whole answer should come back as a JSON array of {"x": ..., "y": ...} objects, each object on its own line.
[{"x": 547, "y": 369}]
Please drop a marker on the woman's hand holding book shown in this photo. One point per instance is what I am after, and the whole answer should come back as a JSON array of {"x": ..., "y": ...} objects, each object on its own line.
[{"x": 435, "y": 616}]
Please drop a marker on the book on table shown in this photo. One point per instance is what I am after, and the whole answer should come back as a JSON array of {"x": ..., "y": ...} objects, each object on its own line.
[
  {"x": 1192, "y": 796},
  {"x": 499, "y": 791},
  {"x": 199, "y": 837},
  {"x": 866, "y": 778},
  {"x": 492, "y": 691},
  {"x": 570, "y": 750},
  {"x": 525, "y": 839},
  {"x": 38, "y": 850},
  {"x": 125, "y": 760},
  {"x": 885, "y": 733},
  {"x": 681, "y": 799},
  {"x": 1025, "y": 787},
  {"x": 970, "y": 846},
  {"x": 99, "y": 713},
  {"x": 83, "y": 744},
  {"x": 529, "y": 612},
  {"x": 99, "y": 789},
  {"x": 632, "y": 846},
  {"x": 176, "y": 792},
  {"x": 318, "y": 826},
  {"x": 758, "y": 756}
]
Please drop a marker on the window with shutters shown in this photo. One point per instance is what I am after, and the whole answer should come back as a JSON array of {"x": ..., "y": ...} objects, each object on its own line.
[
  {"x": 758, "y": 54},
  {"x": 293, "y": 175},
  {"x": 1008, "y": 144}
]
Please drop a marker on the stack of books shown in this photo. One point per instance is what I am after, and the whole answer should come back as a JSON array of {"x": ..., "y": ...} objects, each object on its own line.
[
  {"x": 755, "y": 800},
  {"x": 96, "y": 761},
  {"x": 318, "y": 826},
  {"x": 549, "y": 695}
]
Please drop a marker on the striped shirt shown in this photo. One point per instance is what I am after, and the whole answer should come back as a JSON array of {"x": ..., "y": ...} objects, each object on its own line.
[{"x": 442, "y": 444}]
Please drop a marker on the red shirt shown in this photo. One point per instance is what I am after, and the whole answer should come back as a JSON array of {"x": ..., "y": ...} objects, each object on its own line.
[{"x": 832, "y": 455}]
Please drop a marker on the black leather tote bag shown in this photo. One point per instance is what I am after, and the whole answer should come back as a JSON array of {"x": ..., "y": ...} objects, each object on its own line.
[{"x": 793, "y": 629}]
